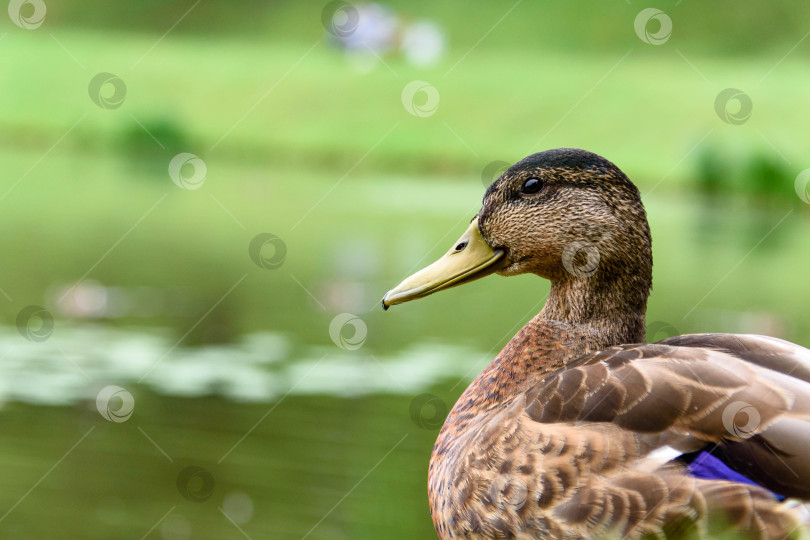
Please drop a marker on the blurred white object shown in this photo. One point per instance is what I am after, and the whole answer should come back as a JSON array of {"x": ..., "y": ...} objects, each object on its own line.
[
  {"x": 423, "y": 43},
  {"x": 84, "y": 300},
  {"x": 370, "y": 31},
  {"x": 376, "y": 30}
]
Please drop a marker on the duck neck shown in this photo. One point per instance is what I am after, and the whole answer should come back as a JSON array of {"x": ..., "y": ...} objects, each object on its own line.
[
  {"x": 612, "y": 310},
  {"x": 580, "y": 316}
]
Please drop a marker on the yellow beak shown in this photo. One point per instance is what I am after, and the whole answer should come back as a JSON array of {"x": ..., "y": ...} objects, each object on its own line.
[{"x": 471, "y": 258}]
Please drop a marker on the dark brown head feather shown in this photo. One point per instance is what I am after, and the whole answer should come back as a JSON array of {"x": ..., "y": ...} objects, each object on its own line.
[{"x": 585, "y": 230}]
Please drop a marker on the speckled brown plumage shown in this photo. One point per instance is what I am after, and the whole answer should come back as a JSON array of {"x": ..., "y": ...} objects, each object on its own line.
[{"x": 558, "y": 436}]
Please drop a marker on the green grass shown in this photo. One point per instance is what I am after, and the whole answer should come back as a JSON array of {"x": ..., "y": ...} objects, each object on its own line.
[
  {"x": 646, "y": 115},
  {"x": 724, "y": 28}
]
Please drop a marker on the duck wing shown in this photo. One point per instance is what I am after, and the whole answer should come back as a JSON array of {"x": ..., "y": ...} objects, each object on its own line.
[
  {"x": 746, "y": 396},
  {"x": 589, "y": 449}
]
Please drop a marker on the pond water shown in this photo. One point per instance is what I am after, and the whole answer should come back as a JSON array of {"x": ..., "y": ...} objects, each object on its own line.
[{"x": 121, "y": 431}]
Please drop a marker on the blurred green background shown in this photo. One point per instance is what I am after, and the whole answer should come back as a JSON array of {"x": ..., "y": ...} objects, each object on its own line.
[{"x": 250, "y": 418}]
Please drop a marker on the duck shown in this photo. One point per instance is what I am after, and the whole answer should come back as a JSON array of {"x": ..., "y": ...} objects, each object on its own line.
[{"x": 580, "y": 429}]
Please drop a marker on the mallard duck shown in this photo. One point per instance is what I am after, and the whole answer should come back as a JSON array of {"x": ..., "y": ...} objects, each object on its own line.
[{"x": 578, "y": 428}]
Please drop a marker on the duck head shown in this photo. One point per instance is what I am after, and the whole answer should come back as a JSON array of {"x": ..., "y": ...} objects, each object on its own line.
[{"x": 567, "y": 215}]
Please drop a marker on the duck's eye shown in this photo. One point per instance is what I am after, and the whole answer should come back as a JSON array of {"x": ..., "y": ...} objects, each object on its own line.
[{"x": 531, "y": 186}]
